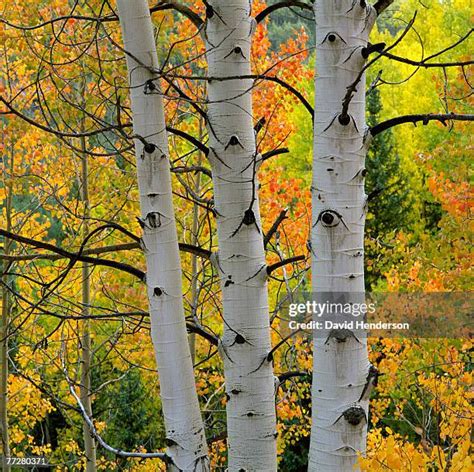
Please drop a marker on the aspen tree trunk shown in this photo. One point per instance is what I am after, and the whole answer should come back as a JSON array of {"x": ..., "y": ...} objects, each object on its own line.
[
  {"x": 86, "y": 347},
  {"x": 341, "y": 367},
  {"x": 251, "y": 423},
  {"x": 186, "y": 440}
]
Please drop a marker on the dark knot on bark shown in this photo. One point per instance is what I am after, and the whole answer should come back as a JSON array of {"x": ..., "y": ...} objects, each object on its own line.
[{"x": 354, "y": 415}]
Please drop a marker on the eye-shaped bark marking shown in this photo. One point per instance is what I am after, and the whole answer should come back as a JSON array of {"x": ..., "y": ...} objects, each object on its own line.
[
  {"x": 211, "y": 11},
  {"x": 149, "y": 148},
  {"x": 360, "y": 174},
  {"x": 341, "y": 335},
  {"x": 330, "y": 219},
  {"x": 354, "y": 415},
  {"x": 150, "y": 87},
  {"x": 344, "y": 119},
  {"x": 249, "y": 217},
  {"x": 229, "y": 281},
  {"x": 234, "y": 141},
  {"x": 361, "y": 3},
  {"x": 170, "y": 442},
  {"x": 158, "y": 291},
  {"x": 153, "y": 219},
  {"x": 331, "y": 37},
  {"x": 239, "y": 339},
  {"x": 247, "y": 220},
  {"x": 238, "y": 51}
]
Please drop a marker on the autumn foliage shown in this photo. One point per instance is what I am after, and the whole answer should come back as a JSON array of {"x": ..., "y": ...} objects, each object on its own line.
[{"x": 70, "y": 76}]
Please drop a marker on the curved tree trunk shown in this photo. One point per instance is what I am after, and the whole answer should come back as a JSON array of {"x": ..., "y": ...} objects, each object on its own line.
[
  {"x": 186, "y": 441},
  {"x": 251, "y": 423},
  {"x": 341, "y": 367}
]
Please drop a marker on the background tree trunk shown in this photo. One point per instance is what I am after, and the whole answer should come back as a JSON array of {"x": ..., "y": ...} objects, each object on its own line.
[
  {"x": 341, "y": 367},
  {"x": 86, "y": 346},
  {"x": 251, "y": 423},
  {"x": 5, "y": 320},
  {"x": 185, "y": 433}
]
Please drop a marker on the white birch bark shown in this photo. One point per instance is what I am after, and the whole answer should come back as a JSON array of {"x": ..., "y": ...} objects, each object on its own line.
[
  {"x": 251, "y": 423},
  {"x": 341, "y": 367},
  {"x": 186, "y": 440}
]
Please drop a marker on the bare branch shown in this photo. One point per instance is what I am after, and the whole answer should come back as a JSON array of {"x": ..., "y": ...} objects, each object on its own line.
[
  {"x": 74, "y": 256},
  {"x": 282, "y": 216},
  {"x": 100, "y": 440},
  {"x": 291, "y": 89},
  {"x": 182, "y": 134},
  {"x": 198, "y": 329},
  {"x": 425, "y": 119},
  {"x": 56, "y": 257},
  {"x": 291, "y": 374},
  {"x": 290, "y": 260},
  {"x": 190, "y": 169},
  {"x": 284, "y": 4},
  {"x": 274, "y": 152},
  {"x": 270, "y": 78},
  {"x": 426, "y": 64},
  {"x": 59, "y": 19},
  {"x": 183, "y": 9},
  {"x": 189, "y": 248},
  {"x": 31, "y": 121},
  {"x": 351, "y": 89}
]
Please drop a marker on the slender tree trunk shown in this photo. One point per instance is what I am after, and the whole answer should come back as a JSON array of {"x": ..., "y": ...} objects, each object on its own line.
[
  {"x": 341, "y": 367},
  {"x": 86, "y": 351},
  {"x": 251, "y": 423},
  {"x": 4, "y": 331},
  {"x": 186, "y": 440},
  {"x": 195, "y": 242}
]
